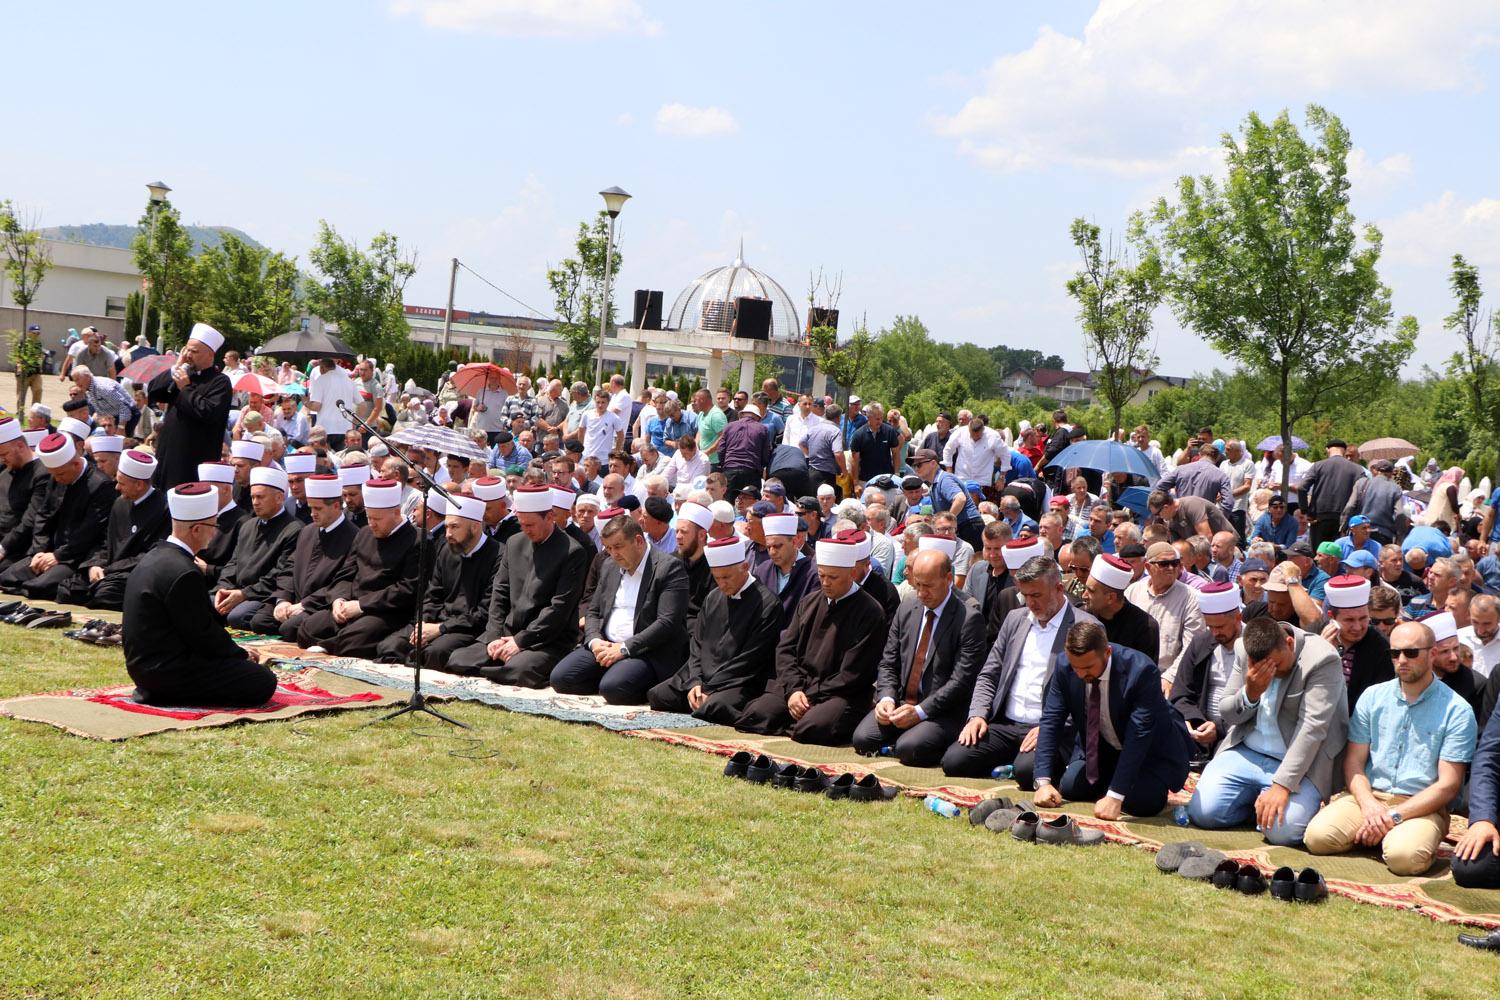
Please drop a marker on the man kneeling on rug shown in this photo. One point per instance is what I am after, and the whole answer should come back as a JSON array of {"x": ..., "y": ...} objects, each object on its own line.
[
  {"x": 176, "y": 649},
  {"x": 1135, "y": 745}
]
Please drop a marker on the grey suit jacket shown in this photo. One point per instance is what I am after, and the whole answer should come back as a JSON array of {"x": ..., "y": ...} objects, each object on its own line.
[
  {"x": 992, "y": 687},
  {"x": 1313, "y": 715},
  {"x": 953, "y": 657},
  {"x": 977, "y": 580}
]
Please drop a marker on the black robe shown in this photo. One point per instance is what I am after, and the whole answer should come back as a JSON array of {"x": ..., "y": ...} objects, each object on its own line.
[
  {"x": 176, "y": 650},
  {"x": 700, "y": 585},
  {"x": 23, "y": 495},
  {"x": 1371, "y": 666},
  {"x": 1135, "y": 629},
  {"x": 74, "y": 518},
  {"x": 878, "y": 587},
  {"x": 831, "y": 651},
  {"x": 457, "y": 601},
  {"x": 263, "y": 550},
  {"x": 731, "y": 653},
  {"x": 134, "y": 529},
  {"x": 383, "y": 581},
  {"x": 192, "y": 430},
  {"x": 218, "y": 552},
  {"x": 318, "y": 559}
]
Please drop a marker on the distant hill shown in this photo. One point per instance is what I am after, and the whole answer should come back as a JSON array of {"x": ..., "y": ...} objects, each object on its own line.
[{"x": 102, "y": 234}]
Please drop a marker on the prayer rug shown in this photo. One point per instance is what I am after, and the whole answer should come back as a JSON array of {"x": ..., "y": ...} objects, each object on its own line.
[
  {"x": 110, "y": 714},
  {"x": 567, "y": 707},
  {"x": 1360, "y": 876}
]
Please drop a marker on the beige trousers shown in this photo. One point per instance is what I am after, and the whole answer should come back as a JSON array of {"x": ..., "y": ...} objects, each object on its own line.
[{"x": 1408, "y": 849}]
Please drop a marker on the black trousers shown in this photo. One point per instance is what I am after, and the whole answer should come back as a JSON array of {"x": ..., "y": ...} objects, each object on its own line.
[
  {"x": 625, "y": 682},
  {"x": 1000, "y": 744},
  {"x": 921, "y": 745},
  {"x": 1324, "y": 528},
  {"x": 1237, "y": 519},
  {"x": 1481, "y": 873},
  {"x": 19, "y": 579},
  {"x": 357, "y": 638},
  {"x": 531, "y": 668},
  {"x": 108, "y": 594},
  {"x": 738, "y": 480},
  {"x": 237, "y": 683},
  {"x": 722, "y": 707},
  {"x": 396, "y": 647},
  {"x": 829, "y": 722},
  {"x": 973, "y": 533},
  {"x": 819, "y": 478},
  {"x": 1147, "y": 797}
]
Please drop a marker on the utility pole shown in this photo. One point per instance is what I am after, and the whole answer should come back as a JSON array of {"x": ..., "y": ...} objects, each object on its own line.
[{"x": 448, "y": 316}]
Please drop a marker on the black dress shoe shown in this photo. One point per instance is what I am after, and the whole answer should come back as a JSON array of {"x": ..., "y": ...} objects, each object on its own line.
[
  {"x": 1310, "y": 887},
  {"x": 785, "y": 775},
  {"x": 51, "y": 619},
  {"x": 1283, "y": 884},
  {"x": 738, "y": 764},
  {"x": 981, "y": 812},
  {"x": 759, "y": 771},
  {"x": 812, "y": 780},
  {"x": 25, "y": 616},
  {"x": 1249, "y": 880},
  {"x": 1225, "y": 874},
  {"x": 839, "y": 787},
  {"x": 10, "y": 607},
  {"x": 869, "y": 789},
  {"x": 1484, "y": 942}
]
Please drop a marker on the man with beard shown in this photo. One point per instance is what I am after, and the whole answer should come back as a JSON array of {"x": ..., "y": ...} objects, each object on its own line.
[
  {"x": 787, "y": 573},
  {"x": 197, "y": 397},
  {"x": 23, "y": 491},
  {"x": 533, "y": 607},
  {"x": 498, "y": 522},
  {"x": 213, "y": 556},
  {"x": 137, "y": 521},
  {"x": 1124, "y": 623},
  {"x": 693, "y": 522},
  {"x": 263, "y": 549},
  {"x": 455, "y": 607},
  {"x": 353, "y": 479},
  {"x": 380, "y": 597},
  {"x": 733, "y": 641},
  {"x": 71, "y": 528},
  {"x": 321, "y": 558},
  {"x": 1446, "y": 665}
]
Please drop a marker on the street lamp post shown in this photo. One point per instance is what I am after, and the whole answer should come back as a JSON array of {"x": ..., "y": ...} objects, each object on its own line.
[
  {"x": 614, "y": 200},
  {"x": 159, "y": 191}
]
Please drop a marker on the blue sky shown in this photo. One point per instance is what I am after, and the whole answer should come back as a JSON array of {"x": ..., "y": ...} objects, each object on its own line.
[{"x": 935, "y": 154}]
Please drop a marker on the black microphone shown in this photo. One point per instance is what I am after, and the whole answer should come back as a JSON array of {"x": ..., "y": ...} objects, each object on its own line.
[{"x": 341, "y": 405}]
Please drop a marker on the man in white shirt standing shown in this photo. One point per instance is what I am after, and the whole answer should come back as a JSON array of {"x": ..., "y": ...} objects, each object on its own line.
[
  {"x": 799, "y": 421},
  {"x": 332, "y": 387},
  {"x": 975, "y": 453},
  {"x": 619, "y": 399},
  {"x": 600, "y": 430}
]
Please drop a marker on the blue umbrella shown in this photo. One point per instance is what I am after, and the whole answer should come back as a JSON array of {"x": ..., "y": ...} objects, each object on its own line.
[
  {"x": 1106, "y": 456},
  {"x": 1270, "y": 443},
  {"x": 1134, "y": 500}
]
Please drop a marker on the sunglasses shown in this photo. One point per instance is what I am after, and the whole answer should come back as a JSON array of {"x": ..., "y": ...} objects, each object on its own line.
[
  {"x": 1412, "y": 653},
  {"x": 1382, "y": 621},
  {"x": 1167, "y": 562}
]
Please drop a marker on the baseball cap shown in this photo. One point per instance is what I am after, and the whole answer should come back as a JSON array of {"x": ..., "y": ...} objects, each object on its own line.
[
  {"x": 749, "y": 491},
  {"x": 923, "y": 455},
  {"x": 1300, "y": 549},
  {"x": 1359, "y": 559},
  {"x": 809, "y": 505},
  {"x": 1276, "y": 582},
  {"x": 723, "y": 511},
  {"x": 1358, "y": 520},
  {"x": 764, "y": 508},
  {"x": 1330, "y": 549},
  {"x": 1254, "y": 566}
]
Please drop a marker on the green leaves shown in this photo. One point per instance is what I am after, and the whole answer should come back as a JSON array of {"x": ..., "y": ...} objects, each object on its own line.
[
  {"x": 361, "y": 290},
  {"x": 249, "y": 294},
  {"x": 26, "y": 259},
  {"x": 577, "y": 285}
]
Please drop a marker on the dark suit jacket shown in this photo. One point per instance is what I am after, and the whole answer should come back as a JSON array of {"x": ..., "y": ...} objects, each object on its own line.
[
  {"x": 660, "y": 609},
  {"x": 1484, "y": 780},
  {"x": 23, "y": 496},
  {"x": 955, "y": 652},
  {"x": 802, "y": 581},
  {"x": 76, "y": 516},
  {"x": 992, "y": 686},
  {"x": 1190, "y": 688},
  {"x": 535, "y": 594},
  {"x": 1149, "y": 729}
]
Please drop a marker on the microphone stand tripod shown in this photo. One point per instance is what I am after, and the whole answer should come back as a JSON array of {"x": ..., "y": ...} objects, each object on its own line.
[{"x": 418, "y": 702}]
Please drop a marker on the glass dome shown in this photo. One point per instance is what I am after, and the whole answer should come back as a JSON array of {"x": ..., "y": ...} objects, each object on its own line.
[{"x": 707, "y": 305}]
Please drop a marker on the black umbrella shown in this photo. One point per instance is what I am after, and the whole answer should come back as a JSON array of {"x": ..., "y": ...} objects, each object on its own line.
[{"x": 305, "y": 345}]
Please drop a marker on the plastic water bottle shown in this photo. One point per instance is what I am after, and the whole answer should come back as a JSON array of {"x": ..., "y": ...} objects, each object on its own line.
[
  {"x": 941, "y": 806},
  {"x": 886, "y": 752},
  {"x": 1003, "y": 773},
  {"x": 1180, "y": 816}
]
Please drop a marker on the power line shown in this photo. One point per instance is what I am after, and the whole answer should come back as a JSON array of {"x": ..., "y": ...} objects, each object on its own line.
[{"x": 502, "y": 291}]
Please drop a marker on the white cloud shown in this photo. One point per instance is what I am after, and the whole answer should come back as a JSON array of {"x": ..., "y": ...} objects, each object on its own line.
[
  {"x": 1367, "y": 175},
  {"x": 1149, "y": 79},
  {"x": 531, "y": 18},
  {"x": 680, "y": 119},
  {"x": 1429, "y": 236},
  {"x": 625, "y": 119}
]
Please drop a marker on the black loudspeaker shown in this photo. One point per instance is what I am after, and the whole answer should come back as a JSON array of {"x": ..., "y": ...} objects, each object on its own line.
[
  {"x": 647, "y": 310},
  {"x": 818, "y": 316},
  {"x": 752, "y": 318}
]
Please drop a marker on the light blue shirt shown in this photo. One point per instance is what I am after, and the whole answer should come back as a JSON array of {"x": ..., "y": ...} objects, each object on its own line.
[
  {"x": 1266, "y": 736},
  {"x": 1407, "y": 740},
  {"x": 783, "y": 578}
]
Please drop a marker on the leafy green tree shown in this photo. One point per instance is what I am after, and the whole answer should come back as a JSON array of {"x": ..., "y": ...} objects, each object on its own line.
[
  {"x": 906, "y": 359},
  {"x": 249, "y": 294},
  {"x": 975, "y": 364},
  {"x": 846, "y": 364},
  {"x": 361, "y": 290},
  {"x": 1475, "y": 364},
  {"x": 1008, "y": 359},
  {"x": 577, "y": 285},
  {"x": 1116, "y": 297},
  {"x": 163, "y": 250},
  {"x": 1268, "y": 267},
  {"x": 26, "y": 261}
]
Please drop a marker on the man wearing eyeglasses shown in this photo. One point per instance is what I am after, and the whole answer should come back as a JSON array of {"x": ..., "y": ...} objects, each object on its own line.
[
  {"x": 1410, "y": 742},
  {"x": 1171, "y": 602}
]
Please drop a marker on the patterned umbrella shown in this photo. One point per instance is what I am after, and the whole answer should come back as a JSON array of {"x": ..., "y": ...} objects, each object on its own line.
[
  {"x": 443, "y": 440},
  {"x": 251, "y": 382},
  {"x": 149, "y": 367}
]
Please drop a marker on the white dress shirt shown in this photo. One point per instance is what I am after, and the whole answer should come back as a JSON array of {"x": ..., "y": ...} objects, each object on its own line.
[
  {"x": 1486, "y": 654},
  {"x": 976, "y": 460},
  {"x": 1024, "y": 705},
  {"x": 620, "y": 625}
]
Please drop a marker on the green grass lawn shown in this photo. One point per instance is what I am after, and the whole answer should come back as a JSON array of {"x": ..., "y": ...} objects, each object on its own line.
[{"x": 320, "y": 858}]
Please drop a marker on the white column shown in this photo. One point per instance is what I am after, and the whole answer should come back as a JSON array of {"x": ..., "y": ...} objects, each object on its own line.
[
  {"x": 819, "y": 382},
  {"x": 747, "y": 372},
  {"x": 638, "y": 368},
  {"x": 715, "y": 371}
]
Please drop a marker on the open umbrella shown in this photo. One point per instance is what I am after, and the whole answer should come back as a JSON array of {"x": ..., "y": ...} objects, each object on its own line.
[
  {"x": 1391, "y": 448},
  {"x": 476, "y": 379},
  {"x": 1106, "y": 456},
  {"x": 251, "y": 382},
  {"x": 1134, "y": 500},
  {"x": 293, "y": 389},
  {"x": 443, "y": 440},
  {"x": 147, "y": 368},
  {"x": 1271, "y": 443},
  {"x": 305, "y": 345}
]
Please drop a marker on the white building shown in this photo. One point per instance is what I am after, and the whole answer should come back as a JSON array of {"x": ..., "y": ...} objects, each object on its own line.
[{"x": 86, "y": 286}]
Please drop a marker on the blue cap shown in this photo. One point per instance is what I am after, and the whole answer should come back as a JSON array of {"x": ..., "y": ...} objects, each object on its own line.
[
  {"x": 765, "y": 508},
  {"x": 1254, "y": 566},
  {"x": 1357, "y": 520},
  {"x": 1359, "y": 559},
  {"x": 970, "y": 486}
]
